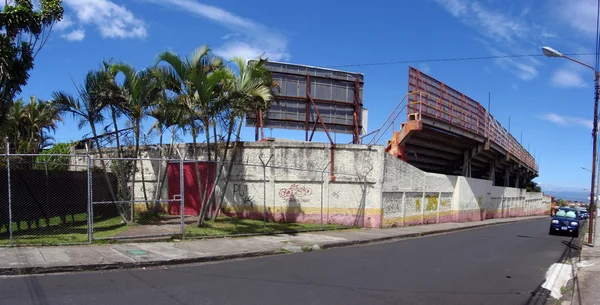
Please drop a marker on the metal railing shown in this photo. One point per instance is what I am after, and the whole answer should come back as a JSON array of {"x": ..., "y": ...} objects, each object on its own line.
[
  {"x": 477, "y": 121},
  {"x": 431, "y": 98}
]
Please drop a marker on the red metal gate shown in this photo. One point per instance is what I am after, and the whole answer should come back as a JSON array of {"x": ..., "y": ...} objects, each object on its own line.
[{"x": 192, "y": 195}]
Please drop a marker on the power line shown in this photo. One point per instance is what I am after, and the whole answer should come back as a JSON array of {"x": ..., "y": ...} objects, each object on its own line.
[{"x": 448, "y": 59}]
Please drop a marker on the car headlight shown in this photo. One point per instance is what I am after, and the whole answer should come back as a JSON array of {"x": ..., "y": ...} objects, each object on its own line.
[
  {"x": 574, "y": 223},
  {"x": 555, "y": 221}
]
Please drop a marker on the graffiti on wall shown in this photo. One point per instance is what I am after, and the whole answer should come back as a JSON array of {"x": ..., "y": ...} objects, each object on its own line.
[
  {"x": 295, "y": 192},
  {"x": 241, "y": 191}
]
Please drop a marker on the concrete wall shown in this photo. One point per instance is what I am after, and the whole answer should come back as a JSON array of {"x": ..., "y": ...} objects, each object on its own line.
[
  {"x": 299, "y": 186},
  {"x": 411, "y": 196},
  {"x": 365, "y": 187}
]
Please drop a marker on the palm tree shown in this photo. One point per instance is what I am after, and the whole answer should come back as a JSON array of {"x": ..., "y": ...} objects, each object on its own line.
[
  {"x": 88, "y": 108},
  {"x": 249, "y": 91},
  {"x": 199, "y": 79},
  {"x": 11, "y": 126},
  {"x": 168, "y": 115},
  {"x": 27, "y": 126},
  {"x": 38, "y": 118},
  {"x": 142, "y": 90}
]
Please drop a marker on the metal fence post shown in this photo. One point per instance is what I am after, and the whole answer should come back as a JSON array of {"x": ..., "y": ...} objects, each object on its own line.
[
  {"x": 403, "y": 209},
  {"x": 323, "y": 190},
  {"x": 181, "y": 199},
  {"x": 10, "y": 225},
  {"x": 423, "y": 208},
  {"x": 265, "y": 190},
  {"x": 438, "y": 207},
  {"x": 90, "y": 207}
]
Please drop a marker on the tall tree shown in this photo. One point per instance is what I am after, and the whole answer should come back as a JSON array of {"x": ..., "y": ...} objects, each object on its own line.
[
  {"x": 28, "y": 126},
  {"x": 250, "y": 90},
  {"x": 200, "y": 78},
  {"x": 24, "y": 29},
  {"x": 88, "y": 108},
  {"x": 142, "y": 90},
  {"x": 38, "y": 120}
]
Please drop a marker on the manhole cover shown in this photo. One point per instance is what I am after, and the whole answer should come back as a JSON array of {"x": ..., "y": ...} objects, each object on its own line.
[{"x": 138, "y": 252}]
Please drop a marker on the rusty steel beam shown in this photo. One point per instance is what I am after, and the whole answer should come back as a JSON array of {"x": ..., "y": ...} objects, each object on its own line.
[
  {"x": 427, "y": 121},
  {"x": 408, "y": 129},
  {"x": 430, "y": 160},
  {"x": 417, "y": 141},
  {"x": 430, "y": 152}
]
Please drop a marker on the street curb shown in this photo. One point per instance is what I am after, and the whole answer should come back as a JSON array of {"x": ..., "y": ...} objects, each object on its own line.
[
  {"x": 133, "y": 265},
  {"x": 215, "y": 258}
]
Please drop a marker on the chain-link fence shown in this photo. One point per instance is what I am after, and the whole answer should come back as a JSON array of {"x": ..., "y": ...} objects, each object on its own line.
[{"x": 71, "y": 199}]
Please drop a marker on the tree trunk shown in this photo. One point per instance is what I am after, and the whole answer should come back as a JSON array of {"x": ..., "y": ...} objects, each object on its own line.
[
  {"x": 110, "y": 189},
  {"x": 137, "y": 156},
  {"x": 195, "y": 152},
  {"x": 158, "y": 185},
  {"x": 120, "y": 168},
  {"x": 230, "y": 167},
  {"x": 204, "y": 206},
  {"x": 168, "y": 157},
  {"x": 225, "y": 150}
]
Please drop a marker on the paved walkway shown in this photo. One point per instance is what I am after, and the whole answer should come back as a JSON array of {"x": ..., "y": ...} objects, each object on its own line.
[
  {"x": 586, "y": 289},
  {"x": 30, "y": 260}
]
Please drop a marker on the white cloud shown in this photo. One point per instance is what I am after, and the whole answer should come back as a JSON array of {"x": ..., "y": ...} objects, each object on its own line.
[
  {"x": 525, "y": 69},
  {"x": 567, "y": 121},
  {"x": 64, "y": 24},
  {"x": 111, "y": 20},
  {"x": 579, "y": 15},
  {"x": 490, "y": 23},
  {"x": 250, "y": 40},
  {"x": 566, "y": 78},
  {"x": 502, "y": 31},
  {"x": 76, "y": 35}
]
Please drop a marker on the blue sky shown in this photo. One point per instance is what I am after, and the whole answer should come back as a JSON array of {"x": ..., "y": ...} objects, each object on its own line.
[{"x": 549, "y": 100}]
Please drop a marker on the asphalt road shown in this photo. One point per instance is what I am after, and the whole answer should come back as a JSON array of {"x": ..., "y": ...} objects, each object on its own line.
[{"x": 502, "y": 264}]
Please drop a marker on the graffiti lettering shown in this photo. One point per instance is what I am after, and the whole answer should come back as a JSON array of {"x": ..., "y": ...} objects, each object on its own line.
[
  {"x": 336, "y": 194},
  {"x": 241, "y": 191},
  {"x": 295, "y": 192}
]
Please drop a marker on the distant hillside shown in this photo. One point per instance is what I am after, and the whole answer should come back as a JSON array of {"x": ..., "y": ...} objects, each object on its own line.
[{"x": 569, "y": 195}]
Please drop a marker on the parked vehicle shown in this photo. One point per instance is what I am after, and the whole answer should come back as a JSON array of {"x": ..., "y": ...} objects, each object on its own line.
[
  {"x": 566, "y": 221},
  {"x": 584, "y": 214}
]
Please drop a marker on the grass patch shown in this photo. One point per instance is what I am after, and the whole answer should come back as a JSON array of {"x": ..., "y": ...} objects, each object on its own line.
[
  {"x": 55, "y": 232},
  {"x": 233, "y": 226}
]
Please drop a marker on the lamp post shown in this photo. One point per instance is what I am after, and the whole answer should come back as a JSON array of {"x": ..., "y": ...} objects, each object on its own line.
[{"x": 550, "y": 52}]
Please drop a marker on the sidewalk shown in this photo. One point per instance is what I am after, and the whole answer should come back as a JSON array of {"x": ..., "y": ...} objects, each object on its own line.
[
  {"x": 587, "y": 283},
  {"x": 32, "y": 260}
]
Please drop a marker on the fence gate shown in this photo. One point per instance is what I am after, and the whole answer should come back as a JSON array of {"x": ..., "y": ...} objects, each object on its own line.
[{"x": 130, "y": 204}]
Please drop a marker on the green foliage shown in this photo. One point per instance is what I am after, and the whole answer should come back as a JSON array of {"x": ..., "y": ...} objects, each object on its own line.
[
  {"x": 27, "y": 126},
  {"x": 23, "y": 32},
  {"x": 532, "y": 186},
  {"x": 561, "y": 202},
  {"x": 55, "y": 163}
]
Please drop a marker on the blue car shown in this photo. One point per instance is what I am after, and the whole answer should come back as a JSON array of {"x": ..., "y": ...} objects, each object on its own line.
[{"x": 566, "y": 221}]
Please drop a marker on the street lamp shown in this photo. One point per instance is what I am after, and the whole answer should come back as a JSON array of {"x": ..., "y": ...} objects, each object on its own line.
[{"x": 550, "y": 52}]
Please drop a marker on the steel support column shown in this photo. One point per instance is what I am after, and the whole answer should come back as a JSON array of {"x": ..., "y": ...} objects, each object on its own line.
[
  {"x": 492, "y": 173},
  {"x": 506, "y": 177},
  {"x": 466, "y": 167}
]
